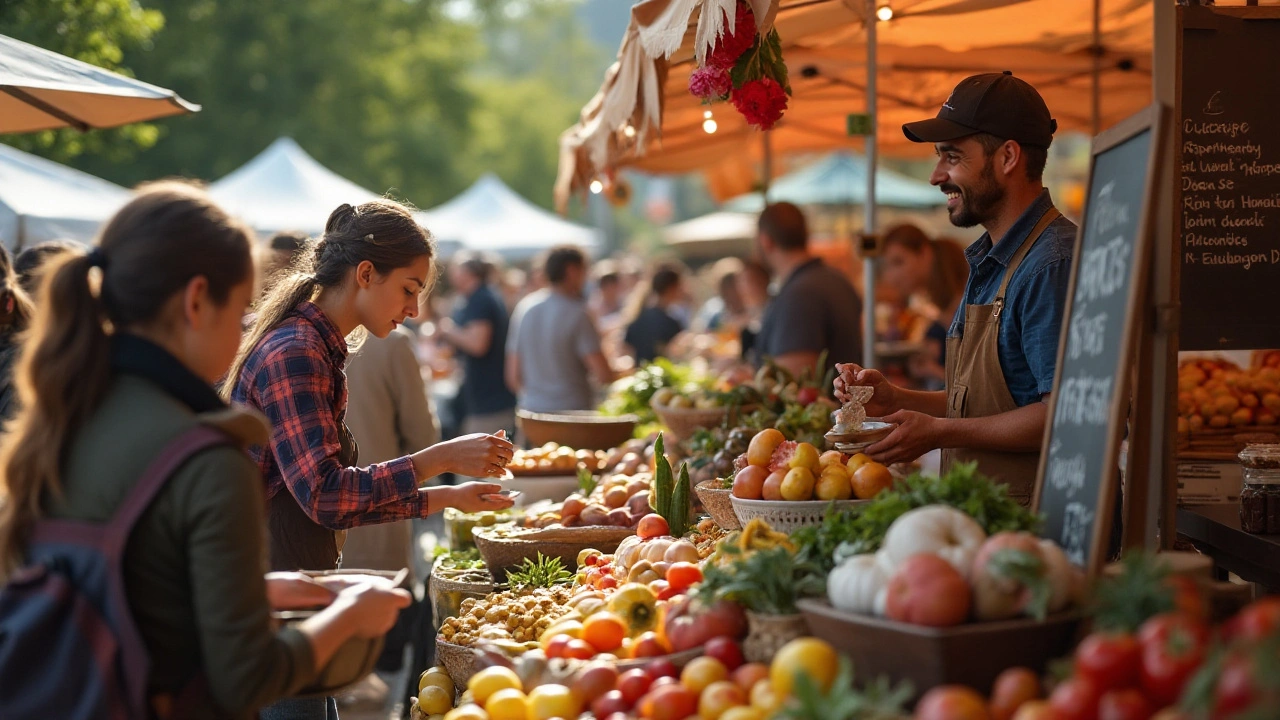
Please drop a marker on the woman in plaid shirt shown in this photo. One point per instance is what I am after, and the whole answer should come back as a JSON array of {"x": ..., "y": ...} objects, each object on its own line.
[{"x": 365, "y": 274}]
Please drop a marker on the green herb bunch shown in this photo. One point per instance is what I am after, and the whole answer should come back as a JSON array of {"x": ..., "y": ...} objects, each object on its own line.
[
  {"x": 543, "y": 572},
  {"x": 768, "y": 581}
]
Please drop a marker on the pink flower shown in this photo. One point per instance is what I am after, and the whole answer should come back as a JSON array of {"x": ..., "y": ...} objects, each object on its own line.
[
  {"x": 737, "y": 39},
  {"x": 761, "y": 102},
  {"x": 710, "y": 83}
]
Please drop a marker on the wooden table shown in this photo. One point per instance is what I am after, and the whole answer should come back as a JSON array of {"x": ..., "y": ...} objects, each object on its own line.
[{"x": 1215, "y": 530}]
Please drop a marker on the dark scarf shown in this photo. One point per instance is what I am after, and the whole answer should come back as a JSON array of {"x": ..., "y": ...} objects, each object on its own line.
[{"x": 133, "y": 355}]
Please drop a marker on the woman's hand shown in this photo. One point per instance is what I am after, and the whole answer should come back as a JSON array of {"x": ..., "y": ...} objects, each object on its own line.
[
  {"x": 882, "y": 402},
  {"x": 295, "y": 591},
  {"x": 478, "y": 455},
  {"x": 469, "y": 497},
  {"x": 372, "y": 609}
]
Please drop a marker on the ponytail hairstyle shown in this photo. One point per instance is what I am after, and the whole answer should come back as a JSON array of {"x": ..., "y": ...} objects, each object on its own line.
[
  {"x": 381, "y": 231},
  {"x": 15, "y": 303},
  {"x": 168, "y": 234}
]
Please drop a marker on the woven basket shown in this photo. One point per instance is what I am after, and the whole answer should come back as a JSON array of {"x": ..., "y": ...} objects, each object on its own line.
[
  {"x": 719, "y": 505},
  {"x": 768, "y": 633},
  {"x": 787, "y": 515},
  {"x": 447, "y": 595},
  {"x": 458, "y": 660},
  {"x": 685, "y": 422},
  {"x": 505, "y": 553}
]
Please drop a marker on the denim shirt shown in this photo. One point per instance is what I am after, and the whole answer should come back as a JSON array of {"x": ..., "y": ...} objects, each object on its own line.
[{"x": 1034, "y": 302}]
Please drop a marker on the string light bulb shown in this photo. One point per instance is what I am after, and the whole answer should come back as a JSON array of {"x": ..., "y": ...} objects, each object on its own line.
[
  {"x": 706, "y": 114},
  {"x": 709, "y": 126},
  {"x": 884, "y": 13},
  {"x": 596, "y": 187},
  {"x": 628, "y": 131}
]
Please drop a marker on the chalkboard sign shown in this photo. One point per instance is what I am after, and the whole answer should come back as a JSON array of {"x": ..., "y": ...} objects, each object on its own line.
[
  {"x": 1228, "y": 180},
  {"x": 1076, "y": 483}
]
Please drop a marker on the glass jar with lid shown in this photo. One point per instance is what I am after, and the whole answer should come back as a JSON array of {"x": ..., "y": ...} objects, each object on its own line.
[{"x": 1260, "y": 498}]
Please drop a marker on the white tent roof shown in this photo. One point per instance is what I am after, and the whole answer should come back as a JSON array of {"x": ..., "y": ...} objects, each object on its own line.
[
  {"x": 42, "y": 200},
  {"x": 284, "y": 188},
  {"x": 491, "y": 217}
]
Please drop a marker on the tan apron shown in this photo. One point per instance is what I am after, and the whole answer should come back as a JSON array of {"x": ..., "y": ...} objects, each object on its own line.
[{"x": 976, "y": 386}]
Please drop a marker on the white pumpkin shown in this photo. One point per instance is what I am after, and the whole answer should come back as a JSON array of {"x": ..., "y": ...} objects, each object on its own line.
[
  {"x": 937, "y": 530},
  {"x": 858, "y": 585}
]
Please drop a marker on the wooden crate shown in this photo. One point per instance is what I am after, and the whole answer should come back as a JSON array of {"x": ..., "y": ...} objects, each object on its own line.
[
  {"x": 972, "y": 654},
  {"x": 1223, "y": 443}
]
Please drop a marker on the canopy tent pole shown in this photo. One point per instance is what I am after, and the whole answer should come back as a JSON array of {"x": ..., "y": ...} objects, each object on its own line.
[
  {"x": 766, "y": 170},
  {"x": 1097, "y": 68},
  {"x": 869, "y": 204}
]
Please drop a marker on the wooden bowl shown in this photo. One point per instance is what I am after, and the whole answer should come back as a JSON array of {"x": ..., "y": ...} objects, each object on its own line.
[
  {"x": 973, "y": 654},
  {"x": 684, "y": 423},
  {"x": 582, "y": 430}
]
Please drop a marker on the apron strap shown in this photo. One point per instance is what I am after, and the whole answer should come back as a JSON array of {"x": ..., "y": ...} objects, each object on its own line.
[{"x": 1049, "y": 216}]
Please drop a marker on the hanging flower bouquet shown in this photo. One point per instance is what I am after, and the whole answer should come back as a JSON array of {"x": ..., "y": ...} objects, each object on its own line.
[{"x": 746, "y": 69}]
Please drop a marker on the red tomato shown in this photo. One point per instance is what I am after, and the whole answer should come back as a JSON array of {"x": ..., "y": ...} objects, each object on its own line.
[
  {"x": 661, "y": 667},
  {"x": 1128, "y": 704},
  {"x": 725, "y": 650},
  {"x": 1075, "y": 699},
  {"x": 1259, "y": 619},
  {"x": 682, "y": 575},
  {"x": 558, "y": 646},
  {"x": 1173, "y": 648},
  {"x": 1013, "y": 688},
  {"x": 1236, "y": 689},
  {"x": 579, "y": 650},
  {"x": 674, "y": 702},
  {"x": 609, "y": 703},
  {"x": 1111, "y": 660},
  {"x": 807, "y": 395},
  {"x": 633, "y": 684}
]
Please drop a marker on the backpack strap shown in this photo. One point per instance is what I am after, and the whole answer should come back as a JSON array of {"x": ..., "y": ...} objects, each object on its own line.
[
  {"x": 117, "y": 531},
  {"x": 144, "y": 492}
]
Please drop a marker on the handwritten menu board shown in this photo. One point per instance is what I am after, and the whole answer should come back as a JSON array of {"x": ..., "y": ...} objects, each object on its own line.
[
  {"x": 1078, "y": 471},
  {"x": 1228, "y": 139}
]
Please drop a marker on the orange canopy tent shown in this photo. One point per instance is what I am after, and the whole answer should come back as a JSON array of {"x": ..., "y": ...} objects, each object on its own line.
[{"x": 644, "y": 117}]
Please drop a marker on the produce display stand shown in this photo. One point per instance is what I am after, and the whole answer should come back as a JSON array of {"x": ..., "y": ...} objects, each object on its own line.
[
  {"x": 1215, "y": 530},
  {"x": 972, "y": 654}
]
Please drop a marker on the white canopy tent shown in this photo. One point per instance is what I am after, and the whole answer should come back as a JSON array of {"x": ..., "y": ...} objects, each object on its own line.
[
  {"x": 719, "y": 234},
  {"x": 284, "y": 188},
  {"x": 42, "y": 200},
  {"x": 491, "y": 217}
]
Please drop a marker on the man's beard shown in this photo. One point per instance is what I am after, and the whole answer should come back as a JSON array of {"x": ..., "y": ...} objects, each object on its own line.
[{"x": 978, "y": 203}]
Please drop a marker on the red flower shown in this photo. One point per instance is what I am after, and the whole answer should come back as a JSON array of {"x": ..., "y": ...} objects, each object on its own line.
[
  {"x": 761, "y": 102},
  {"x": 710, "y": 83},
  {"x": 736, "y": 39}
]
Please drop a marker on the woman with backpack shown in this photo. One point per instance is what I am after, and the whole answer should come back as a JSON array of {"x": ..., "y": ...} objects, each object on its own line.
[
  {"x": 365, "y": 274},
  {"x": 132, "y": 577}
]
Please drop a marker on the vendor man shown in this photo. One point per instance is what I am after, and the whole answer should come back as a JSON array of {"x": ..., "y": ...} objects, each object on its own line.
[{"x": 992, "y": 137}]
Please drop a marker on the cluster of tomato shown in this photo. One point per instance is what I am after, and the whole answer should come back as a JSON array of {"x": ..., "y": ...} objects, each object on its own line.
[{"x": 1175, "y": 667}]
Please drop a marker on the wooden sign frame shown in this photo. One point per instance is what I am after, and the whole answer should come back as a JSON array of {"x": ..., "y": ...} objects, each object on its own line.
[{"x": 1155, "y": 120}]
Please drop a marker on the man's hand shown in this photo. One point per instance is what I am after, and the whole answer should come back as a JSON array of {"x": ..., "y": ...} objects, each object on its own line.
[
  {"x": 883, "y": 402},
  {"x": 915, "y": 435}
]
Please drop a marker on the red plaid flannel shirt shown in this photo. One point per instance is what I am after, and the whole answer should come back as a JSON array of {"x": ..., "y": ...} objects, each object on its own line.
[{"x": 294, "y": 376}]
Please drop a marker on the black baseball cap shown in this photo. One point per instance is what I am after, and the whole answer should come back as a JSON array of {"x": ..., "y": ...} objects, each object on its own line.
[{"x": 995, "y": 103}]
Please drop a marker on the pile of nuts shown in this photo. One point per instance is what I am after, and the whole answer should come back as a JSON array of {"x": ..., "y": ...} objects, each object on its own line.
[{"x": 518, "y": 616}]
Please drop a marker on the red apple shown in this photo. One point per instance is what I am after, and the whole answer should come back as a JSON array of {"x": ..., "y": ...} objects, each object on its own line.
[
  {"x": 633, "y": 684},
  {"x": 725, "y": 650},
  {"x": 593, "y": 682},
  {"x": 688, "y": 628},
  {"x": 609, "y": 703}
]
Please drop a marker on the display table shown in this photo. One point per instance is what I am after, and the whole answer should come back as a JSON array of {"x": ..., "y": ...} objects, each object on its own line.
[{"x": 1215, "y": 530}]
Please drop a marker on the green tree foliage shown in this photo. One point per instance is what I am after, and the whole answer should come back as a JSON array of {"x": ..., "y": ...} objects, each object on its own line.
[
  {"x": 410, "y": 96},
  {"x": 100, "y": 32}
]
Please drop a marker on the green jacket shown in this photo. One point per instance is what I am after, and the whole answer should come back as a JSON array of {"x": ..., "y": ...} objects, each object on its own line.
[{"x": 194, "y": 564}]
